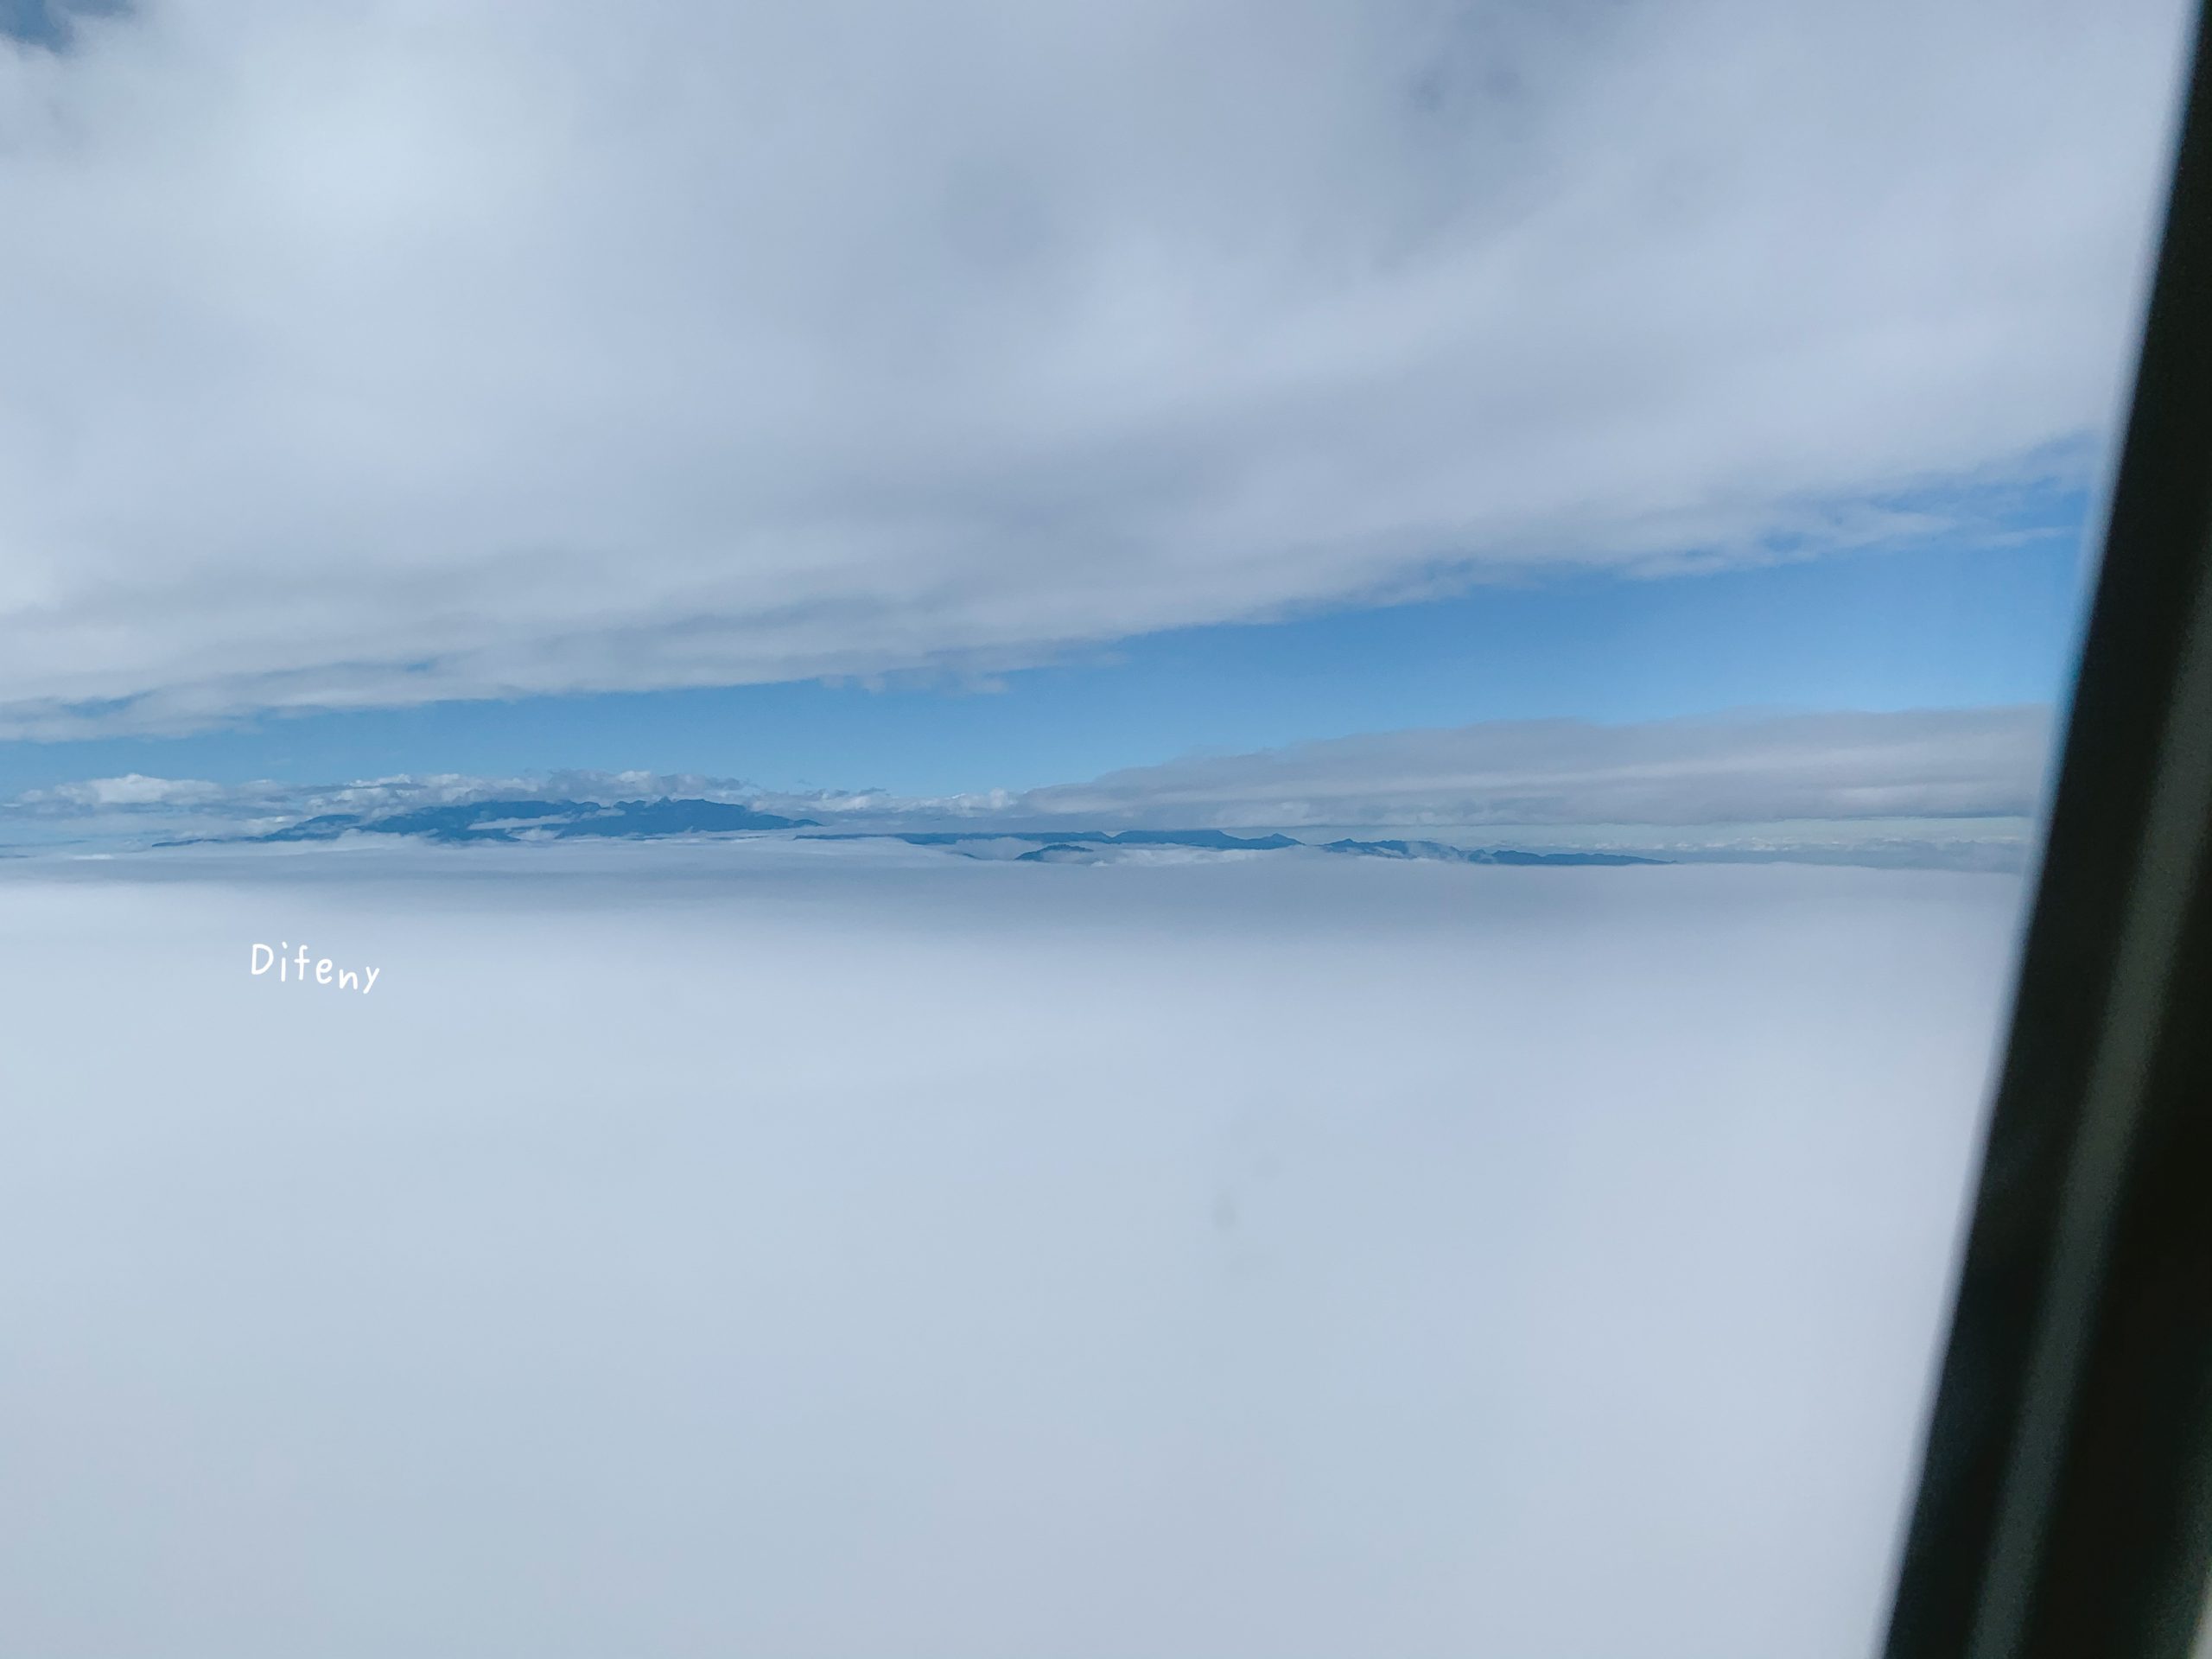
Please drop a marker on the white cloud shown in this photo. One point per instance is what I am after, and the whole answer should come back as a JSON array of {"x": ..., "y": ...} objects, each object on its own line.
[
  {"x": 398, "y": 792},
  {"x": 405, "y": 352},
  {"x": 822, "y": 1255},
  {"x": 1927, "y": 763},
  {"x": 134, "y": 789}
]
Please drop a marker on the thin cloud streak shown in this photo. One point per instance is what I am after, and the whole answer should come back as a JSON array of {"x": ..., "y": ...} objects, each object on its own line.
[{"x": 1932, "y": 763}]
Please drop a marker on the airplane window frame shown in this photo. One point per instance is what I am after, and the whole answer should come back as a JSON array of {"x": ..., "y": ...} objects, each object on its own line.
[{"x": 2065, "y": 1504}]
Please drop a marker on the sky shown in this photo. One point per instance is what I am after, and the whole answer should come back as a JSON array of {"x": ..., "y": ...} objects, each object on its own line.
[
  {"x": 811, "y": 395},
  {"x": 1933, "y": 627},
  {"x": 1678, "y": 429}
]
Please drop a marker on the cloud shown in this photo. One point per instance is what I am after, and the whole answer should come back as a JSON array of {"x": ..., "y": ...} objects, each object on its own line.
[
  {"x": 389, "y": 354},
  {"x": 812, "y": 1257},
  {"x": 1931, "y": 763},
  {"x": 133, "y": 789},
  {"x": 1938, "y": 787},
  {"x": 399, "y": 792}
]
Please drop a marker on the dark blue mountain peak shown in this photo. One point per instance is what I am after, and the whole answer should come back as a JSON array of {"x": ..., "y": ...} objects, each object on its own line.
[{"x": 536, "y": 820}]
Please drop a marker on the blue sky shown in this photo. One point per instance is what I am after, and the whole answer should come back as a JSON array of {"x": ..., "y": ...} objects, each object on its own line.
[{"x": 1983, "y": 616}]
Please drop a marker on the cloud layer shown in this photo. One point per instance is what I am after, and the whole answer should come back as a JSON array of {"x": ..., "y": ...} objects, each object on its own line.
[
  {"x": 1847, "y": 785},
  {"x": 402, "y": 352},
  {"x": 683, "y": 1255},
  {"x": 1931, "y": 763}
]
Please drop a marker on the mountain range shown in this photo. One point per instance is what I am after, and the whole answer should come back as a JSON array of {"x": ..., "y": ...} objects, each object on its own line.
[
  {"x": 531, "y": 820},
  {"x": 535, "y": 820}
]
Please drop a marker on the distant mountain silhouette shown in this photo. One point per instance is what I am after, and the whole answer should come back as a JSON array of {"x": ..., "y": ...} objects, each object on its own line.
[
  {"x": 542, "y": 820},
  {"x": 1068, "y": 846},
  {"x": 1215, "y": 840},
  {"x": 1437, "y": 849},
  {"x": 669, "y": 817},
  {"x": 480, "y": 821}
]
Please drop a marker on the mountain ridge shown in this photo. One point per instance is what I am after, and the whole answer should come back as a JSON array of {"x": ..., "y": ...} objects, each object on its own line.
[{"x": 520, "y": 820}]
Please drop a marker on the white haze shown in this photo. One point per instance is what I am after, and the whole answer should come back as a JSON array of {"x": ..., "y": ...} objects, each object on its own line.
[{"x": 838, "y": 1251}]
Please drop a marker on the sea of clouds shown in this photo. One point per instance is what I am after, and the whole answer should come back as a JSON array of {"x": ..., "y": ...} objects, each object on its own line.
[{"x": 841, "y": 1249}]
